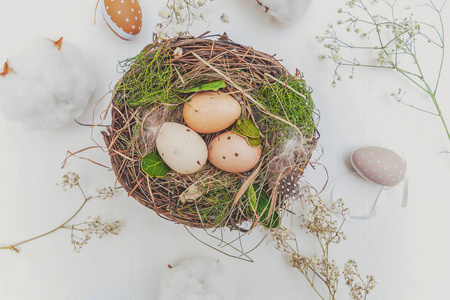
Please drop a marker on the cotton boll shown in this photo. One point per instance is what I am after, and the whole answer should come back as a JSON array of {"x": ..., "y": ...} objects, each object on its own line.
[
  {"x": 196, "y": 279},
  {"x": 84, "y": 79},
  {"x": 30, "y": 102},
  {"x": 286, "y": 11},
  {"x": 56, "y": 85}
]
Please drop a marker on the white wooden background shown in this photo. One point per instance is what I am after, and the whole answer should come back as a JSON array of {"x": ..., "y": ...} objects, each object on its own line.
[{"x": 406, "y": 249}]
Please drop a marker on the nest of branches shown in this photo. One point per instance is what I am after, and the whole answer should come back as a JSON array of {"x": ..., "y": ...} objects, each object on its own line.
[{"x": 278, "y": 103}]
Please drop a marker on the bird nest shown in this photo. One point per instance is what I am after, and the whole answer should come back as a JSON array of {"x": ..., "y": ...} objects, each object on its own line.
[{"x": 278, "y": 103}]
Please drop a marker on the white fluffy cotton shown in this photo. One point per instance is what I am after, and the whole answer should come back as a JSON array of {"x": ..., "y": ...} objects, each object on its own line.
[
  {"x": 196, "y": 279},
  {"x": 47, "y": 88},
  {"x": 286, "y": 11}
]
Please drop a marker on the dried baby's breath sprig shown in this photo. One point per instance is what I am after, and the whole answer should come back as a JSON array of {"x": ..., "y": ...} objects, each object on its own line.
[
  {"x": 69, "y": 180},
  {"x": 320, "y": 222},
  {"x": 393, "y": 39},
  {"x": 359, "y": 288},
  {"x": 87, "y": 228},
  {"x": 178, "y": 16}
]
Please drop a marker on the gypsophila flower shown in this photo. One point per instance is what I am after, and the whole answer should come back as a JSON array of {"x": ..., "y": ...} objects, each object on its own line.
[
  {"x": 336, "y": 58},
  {"x": 178, "y": 16},
  {"x": 69, "y": 180},
  {"x": 392, "y": 42},
  {"x": 224, "y": 17},
  {"x": 178, "y": 52},
  {"x": 105, "y": 193},
  {"x": 320, "y": 39},
  {"x": 319, "y": 220},
  {"x": 89, "y": 228},
  {"x": 81, "y": 232},
  {"x": 359, "y": 288},
  {"x": 164, "y": 14},
  {"x": 178, "y": 29}
]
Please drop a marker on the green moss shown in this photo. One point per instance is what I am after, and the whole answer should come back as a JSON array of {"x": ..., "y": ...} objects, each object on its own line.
[{"x": 285, "y": 102}]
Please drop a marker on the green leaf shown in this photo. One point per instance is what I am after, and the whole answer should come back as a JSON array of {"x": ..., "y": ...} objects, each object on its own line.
[
  {"x": 260, "y": 202},
  {"x": 210, "y": 86},
  {"x": 153, "y": 165},
  {"x": 247, "y": 128},
  {"x": 254, "y": 142}
]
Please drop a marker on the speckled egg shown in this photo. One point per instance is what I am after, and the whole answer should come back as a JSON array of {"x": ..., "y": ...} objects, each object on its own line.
[
  {"x": 181, "y": 148},
  {"x": 231, "y": 152},
  {"x": 380, "y": 165},
  {"x": 124, "y": 17},
  {"x": 209, "y": 112}
]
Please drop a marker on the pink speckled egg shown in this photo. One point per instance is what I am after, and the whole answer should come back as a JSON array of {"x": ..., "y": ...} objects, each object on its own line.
[{"x": 379, "y": 165}]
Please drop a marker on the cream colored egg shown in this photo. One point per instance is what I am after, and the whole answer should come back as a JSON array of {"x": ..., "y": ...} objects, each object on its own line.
[
  {"x": 231, "y": 152},
  {"x": 181, "y": 148},
  {"x": 210, "y": 112}
]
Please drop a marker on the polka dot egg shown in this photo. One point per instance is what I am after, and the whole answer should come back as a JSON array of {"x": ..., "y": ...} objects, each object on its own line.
[
  {"x": 380, "y": 165},
  {"x": 124, "y": 17}
]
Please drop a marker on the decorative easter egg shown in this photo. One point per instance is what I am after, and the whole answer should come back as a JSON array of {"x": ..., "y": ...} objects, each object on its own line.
[
  {"x": 231, "y": 152},
  {"x": 124, "y": 17},
  {"x": 380, "y": 165},
  {"x": 210, "y": 112},
  {"x": 181, "y": 148}
]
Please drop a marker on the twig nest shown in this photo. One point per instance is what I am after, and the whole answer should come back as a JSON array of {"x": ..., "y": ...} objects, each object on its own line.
[
  {"x": 46, "y": 85},
  {"x": 258, "y": 121}
]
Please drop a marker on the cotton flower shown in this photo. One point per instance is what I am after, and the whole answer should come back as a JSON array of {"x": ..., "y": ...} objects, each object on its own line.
[
  {"x": 47, "y": 86},
  {"x": 200, "y": 279},
  {"x": 285, "y": 11}
]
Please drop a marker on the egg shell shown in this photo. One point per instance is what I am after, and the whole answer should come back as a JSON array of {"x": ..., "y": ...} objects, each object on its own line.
[
  {"x": 181, "y": 148},
  {"x": 231, "y": 152},
  {"x": 209, "y": 112},
  {"x": 379, "y": 165},
  {"x": 124, "y": 17}
]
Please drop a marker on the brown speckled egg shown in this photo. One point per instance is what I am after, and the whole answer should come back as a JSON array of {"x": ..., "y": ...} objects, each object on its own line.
[
  {"x": 124, "y": 17},
  {"x": 231, "y": 152},
  {"x": 379, "y": 165},
  {"x": 210, "y": 112}
]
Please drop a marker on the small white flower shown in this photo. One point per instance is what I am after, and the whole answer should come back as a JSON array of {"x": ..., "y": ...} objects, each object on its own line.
[
  {"x": 178, "y": 29},
  {"x": 320, "y": 39},
  {"x": 224, "y": 17},
  {"x": 178, "y": 52},
  {"x": 164, "y": 14},
  {"x": 70, "y": 179},
  {"x": 106, "y": 193},
  {"x": 336, "y": 58}
]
